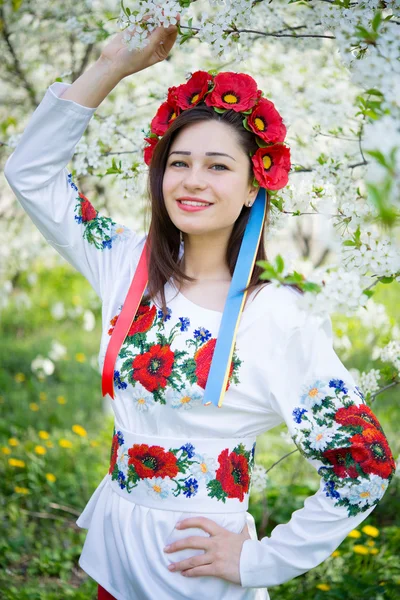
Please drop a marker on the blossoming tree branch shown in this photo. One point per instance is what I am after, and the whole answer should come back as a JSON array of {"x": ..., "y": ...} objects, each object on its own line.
[{"x": 332, "y": 69}]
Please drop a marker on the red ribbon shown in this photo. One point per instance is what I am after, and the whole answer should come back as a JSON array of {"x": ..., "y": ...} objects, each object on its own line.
[{"x": 124, "y": 321}]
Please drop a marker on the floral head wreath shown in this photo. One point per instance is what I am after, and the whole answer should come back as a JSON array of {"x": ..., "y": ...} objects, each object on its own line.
[{"x": 238, "y": 92}]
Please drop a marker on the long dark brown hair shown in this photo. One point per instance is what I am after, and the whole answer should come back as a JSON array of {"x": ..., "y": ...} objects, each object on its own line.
[{"x": 164, "y": 236}]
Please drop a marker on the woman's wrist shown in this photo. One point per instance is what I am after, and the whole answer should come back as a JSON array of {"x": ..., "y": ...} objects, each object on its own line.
[{"x": 94, "y": 85}]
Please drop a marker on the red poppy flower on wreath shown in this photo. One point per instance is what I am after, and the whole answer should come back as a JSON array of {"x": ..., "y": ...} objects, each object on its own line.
[
  {"x": 342, "y": 461},
  {"x": 236, "y": 91},
  {"x": 360, "y": 415},
  {"x": 114, "y": 452},
  {"x": 378, "y": 457},
  {"x": 203, "y": 357},
  {"x": 152, "y": 461},
  {"x": 154, "y": 367},
  {"x": 233, "y": 474},
  {"x": 148, "y": 150},
  {"x": 271, "y": 166},
  {"x": 191, "y": 93},
  {"x": 163, "y": 118},
  {"x": 266, "y": 122},
  {"x": 88, "y": 212}
]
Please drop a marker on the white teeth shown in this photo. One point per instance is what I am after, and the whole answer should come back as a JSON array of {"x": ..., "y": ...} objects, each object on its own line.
[{"x": 191, "y": 203}]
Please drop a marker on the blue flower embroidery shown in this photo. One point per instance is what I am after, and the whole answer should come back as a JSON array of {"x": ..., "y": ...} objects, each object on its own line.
[
  {"x": 330, "y": 490},
  {"x": 160, "y": 314},
  {"x": 185, "y": 323},
  {"x": 121, "y": 480},
  {"x": 117, "y": 380},
  {"x": 71, "y": 183},
  {"x": 298, "y": 413},
  {"x": 202, "y": 333},
  {"x": 107, "y": 243},
  {"x": 191, "y": 487},
  {"x": 338, "y": 384},
  {"x": 189, "y": 449}
]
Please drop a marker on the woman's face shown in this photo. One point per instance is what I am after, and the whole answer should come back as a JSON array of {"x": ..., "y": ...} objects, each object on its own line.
[{"x": 221, "y": 179}]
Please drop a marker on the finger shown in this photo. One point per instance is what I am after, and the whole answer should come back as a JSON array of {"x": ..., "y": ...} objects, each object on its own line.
[
  {"x": 191, "y": 563},
  {"x": 194, "y": 542},
  {"x": 200, "y": 571},
  {"x": 208, "y": 525}
]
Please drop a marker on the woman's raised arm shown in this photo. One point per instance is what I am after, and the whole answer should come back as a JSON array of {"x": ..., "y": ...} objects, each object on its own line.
[{"x": 36, "y": 171}]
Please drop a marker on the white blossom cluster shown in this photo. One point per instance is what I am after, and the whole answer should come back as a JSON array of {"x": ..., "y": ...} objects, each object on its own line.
[
  {"x": 376, "y": 254},
  {"x": 391, "y": 354},
  {"x": 259, "y": 479},
  {"x": 368, "y": 381},
  {"x": 342, "y": 292},
  {"x": 78, "y": 28}
]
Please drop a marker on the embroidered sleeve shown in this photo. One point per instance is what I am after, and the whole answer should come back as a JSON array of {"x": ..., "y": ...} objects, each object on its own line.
[
  {"x": 338, "y": 433},
  {"x": 36, "y": 171}
]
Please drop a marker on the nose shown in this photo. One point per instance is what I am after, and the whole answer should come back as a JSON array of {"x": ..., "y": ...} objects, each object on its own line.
[{"x": 194, "y": 180}]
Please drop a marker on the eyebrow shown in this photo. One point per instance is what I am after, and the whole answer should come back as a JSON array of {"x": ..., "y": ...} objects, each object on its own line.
[{"x": 207, "y": 153}]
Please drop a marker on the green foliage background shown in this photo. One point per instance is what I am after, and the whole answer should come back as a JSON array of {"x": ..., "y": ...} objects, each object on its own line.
[{"x": 39, "y": 541}]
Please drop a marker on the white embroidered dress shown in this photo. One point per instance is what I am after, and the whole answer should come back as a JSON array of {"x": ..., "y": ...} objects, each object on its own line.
[{"x": 284, "y": 369}]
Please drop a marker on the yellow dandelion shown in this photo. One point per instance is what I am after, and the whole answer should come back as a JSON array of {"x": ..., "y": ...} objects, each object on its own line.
[
  {"x": 44, "y": 435},
  {"x": 61, "y": 400},
  {"x": 50, "y": 477},
  {"x": 374, "y": 551},
  {"x": 16, "y": 462},
  {"x": 370, "y": 543},
  {"x": 354, "y": 534},
  {"x": 80, "y": 357},
  {"x": 65, "y": 443},
  {"x": 324, "y": 587},
  {"x": 76, "y": 300},
  {"x": 33, "y": 406},
  {"x": 1, "y": 399},
  {"x": 94, "y": 444},
  {"x": 40, "y": 449},
  {"x": 370, "y": 530},
  {"x": 360, "y": 549},
  {"x": 19, "y": 377},
  {"x": 21, "y": 490},
  {"x": 49, "y": 444},
  {"x": 6, "y": 450},
  {"x": 335, "y": 553},
  {"x": 79, "y": 430},
  {"x": 43, "y": 396},
  {"x": 13, "y": 442}
]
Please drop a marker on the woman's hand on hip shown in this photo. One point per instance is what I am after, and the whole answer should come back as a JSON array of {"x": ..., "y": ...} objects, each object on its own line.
[{"x": 222, "y": 550}]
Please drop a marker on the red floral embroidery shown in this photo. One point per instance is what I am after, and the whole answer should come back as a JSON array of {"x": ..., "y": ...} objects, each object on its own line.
[
  {"x": 371, "y": 450},
  {"x": 272, "y": 166},
  {"x": 203, "y": 357},
  {"x": 233, "y": 474},
  {"x": 341, "y": 460},
  {"x": 88, "y": 211},
  {"x": 153, "y": 367},
  {"x": 114, "y": 452},
  {"x": 357, "y": 415},
  {"x": 152, "y": 461},
  {"x": 142, "y": 322},
  {"x": 266, "y": 122},
  {"x": 236, "y": 91}
]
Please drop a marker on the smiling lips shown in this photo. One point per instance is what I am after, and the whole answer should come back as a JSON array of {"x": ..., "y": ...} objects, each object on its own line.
[{"x": 190, "y": 205}]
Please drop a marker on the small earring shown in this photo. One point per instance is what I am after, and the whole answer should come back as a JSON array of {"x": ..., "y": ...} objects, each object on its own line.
[{"x": 249, "y": 204}]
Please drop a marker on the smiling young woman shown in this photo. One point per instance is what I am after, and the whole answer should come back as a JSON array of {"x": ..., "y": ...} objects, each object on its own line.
[{"x": 170, "y": 518}]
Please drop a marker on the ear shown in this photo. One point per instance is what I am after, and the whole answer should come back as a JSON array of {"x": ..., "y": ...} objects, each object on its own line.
[{"x": 252, "y": 193}]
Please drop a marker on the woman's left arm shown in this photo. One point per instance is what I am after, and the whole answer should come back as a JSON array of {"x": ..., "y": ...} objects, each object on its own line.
[{"x": 339, "y": 435}]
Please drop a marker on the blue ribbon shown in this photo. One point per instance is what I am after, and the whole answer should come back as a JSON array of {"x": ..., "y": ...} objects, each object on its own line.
[{"x": 220, "y": 365}]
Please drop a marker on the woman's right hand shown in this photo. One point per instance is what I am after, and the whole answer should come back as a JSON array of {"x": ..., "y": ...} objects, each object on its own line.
[{"x": 126, "y": 62}]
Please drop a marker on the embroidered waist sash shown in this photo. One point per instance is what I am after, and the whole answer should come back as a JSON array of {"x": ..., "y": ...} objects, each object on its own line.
[{"x": 209, "y": 475}]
